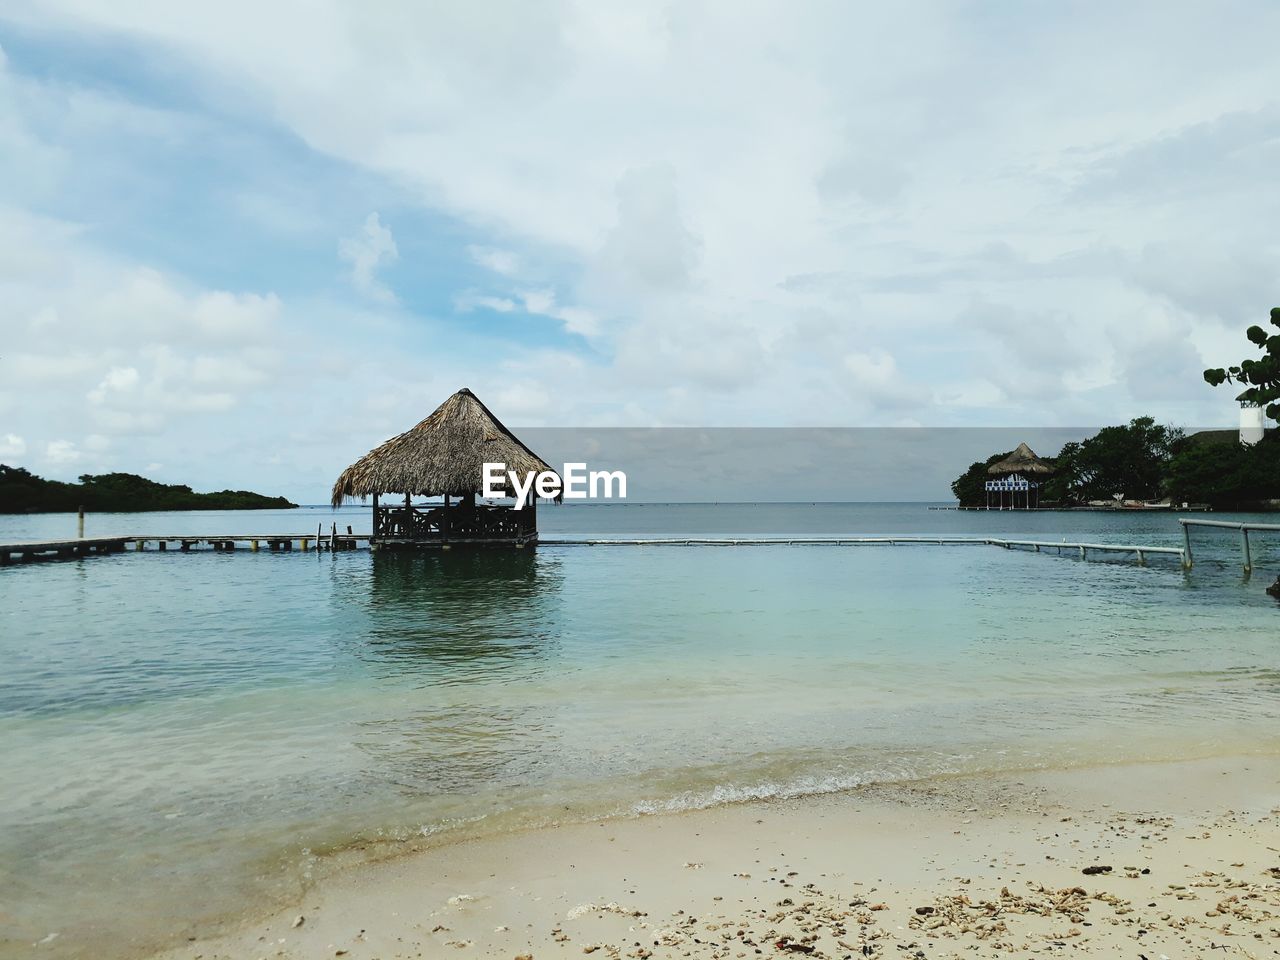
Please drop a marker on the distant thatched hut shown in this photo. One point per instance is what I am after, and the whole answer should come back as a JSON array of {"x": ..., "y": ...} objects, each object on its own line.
[
  {"x": 1014, "y": 481},
  {"x": 444, "y": 456}
]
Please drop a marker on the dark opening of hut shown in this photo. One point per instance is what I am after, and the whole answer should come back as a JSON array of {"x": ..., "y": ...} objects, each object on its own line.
[
  {"x": 444, "y": 457},
  {"x": 1016, "y": 479}
]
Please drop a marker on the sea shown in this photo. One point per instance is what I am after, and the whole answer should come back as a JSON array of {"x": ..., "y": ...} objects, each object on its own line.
[{"x": 189, "y": 737}]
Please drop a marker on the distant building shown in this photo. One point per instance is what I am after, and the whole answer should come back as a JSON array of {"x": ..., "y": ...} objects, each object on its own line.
[
  {"x": 444, "y": 456},
  {"x": 1252, "y": 423},
  {"x": 1013, "y": 480}
]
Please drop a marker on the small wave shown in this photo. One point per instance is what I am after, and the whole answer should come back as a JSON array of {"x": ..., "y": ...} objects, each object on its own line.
[{"x": 793, "y": 789}]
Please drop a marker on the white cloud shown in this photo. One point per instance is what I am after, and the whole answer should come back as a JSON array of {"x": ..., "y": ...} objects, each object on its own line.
[
  {"x": 539, "y": 302},
  {"x": 649, "y": 246},
  {"x": 499, "y": 261},
  {"x": 61, "y": 452},
  {"x": 472, "y": 300},
  {"x": 117, "y": 380},
  {"x": 366, "y": 252},
  {"x": 12, "y": 445},
  {"x": 575, "y": 319},
  {"x": 119, "y": 354},
  {"x": 874, "y": 376},
  {"x": 855, "y": 202}
]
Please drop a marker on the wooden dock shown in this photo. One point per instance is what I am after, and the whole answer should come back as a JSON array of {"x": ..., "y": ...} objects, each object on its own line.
[
  {"x": 60, "y": 549},
  {"x": 92, "y": 546},
  {"x": 335, "y": 541}
]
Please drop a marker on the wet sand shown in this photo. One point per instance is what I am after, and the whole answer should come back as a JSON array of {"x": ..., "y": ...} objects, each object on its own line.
[{"x": 1160, "y": 860}]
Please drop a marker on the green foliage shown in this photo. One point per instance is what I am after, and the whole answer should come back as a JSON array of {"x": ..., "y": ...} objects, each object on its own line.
[
  {"x": 1228, "y": 475},
  {"x": 969, "y": 488},
  {"x": 23, "y": 492},
  {"x": 1062, "y": 485},
  {"x": 1130, "y": 460},
  {"x": 1261, "y": 378}
]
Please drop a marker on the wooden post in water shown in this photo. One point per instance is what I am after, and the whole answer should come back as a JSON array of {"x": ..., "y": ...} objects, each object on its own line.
[
  {"x": 1186, "y": 546},
  {"x": 1244, "y": 551},
  {"x": 80, "y": 524}
]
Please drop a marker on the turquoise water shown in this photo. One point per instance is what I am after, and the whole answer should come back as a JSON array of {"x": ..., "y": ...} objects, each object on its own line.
[{"x": 187, "y": 736}]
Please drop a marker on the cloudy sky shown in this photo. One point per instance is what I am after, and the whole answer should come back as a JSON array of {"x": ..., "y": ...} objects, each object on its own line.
[{"x": 241, "y": 243}]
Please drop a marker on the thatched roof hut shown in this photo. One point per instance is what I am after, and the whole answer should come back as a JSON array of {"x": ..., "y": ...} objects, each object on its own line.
[
  {"x": 1022, "y": 460},
  {"x": 444, "y": 455}
]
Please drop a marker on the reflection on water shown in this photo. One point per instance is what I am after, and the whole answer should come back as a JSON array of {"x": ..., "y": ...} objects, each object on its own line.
[
  {"x": 445, "y": 619},
  {"x": 457, "y": 616}
]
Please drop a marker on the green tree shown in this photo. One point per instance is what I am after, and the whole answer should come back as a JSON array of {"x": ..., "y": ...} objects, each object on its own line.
[
  {"x": 1129, "y": 460},
  {"x": 969, "y": 488},
  {"x": 23, "y": 492},
  {"x": 1261, "y": 377},
  {"x": 1063, "y": 484},
  {"x": 1228, "y": 475}
]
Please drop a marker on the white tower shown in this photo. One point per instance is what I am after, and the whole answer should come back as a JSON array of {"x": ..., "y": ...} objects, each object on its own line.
[{"x": 1252, "y": 423}]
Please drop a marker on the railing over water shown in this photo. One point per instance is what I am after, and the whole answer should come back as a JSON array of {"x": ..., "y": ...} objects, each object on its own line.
[
  {"x": 481, "y": 522},
  {"x": 1246, "y": 554}
]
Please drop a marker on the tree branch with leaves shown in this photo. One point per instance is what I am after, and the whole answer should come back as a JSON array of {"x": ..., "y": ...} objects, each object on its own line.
[{"x": 1261, "y": 377}]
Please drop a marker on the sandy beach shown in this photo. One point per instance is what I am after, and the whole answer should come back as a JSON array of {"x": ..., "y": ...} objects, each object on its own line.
[{"x": 1157, "y": 860}]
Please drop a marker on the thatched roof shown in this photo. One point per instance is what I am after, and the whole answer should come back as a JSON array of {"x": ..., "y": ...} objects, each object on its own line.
[
  {"x": 1022, "y": 460},
  {"x": 443, "y": 455}
]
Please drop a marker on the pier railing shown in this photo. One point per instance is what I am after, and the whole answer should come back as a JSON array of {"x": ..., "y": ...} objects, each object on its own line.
[
  {"x": 1140, "y": 552},
  {"x": 1246, "y": 554},
  {"x": 425, "y": 524},
  {"x": 514, "y": 527}
]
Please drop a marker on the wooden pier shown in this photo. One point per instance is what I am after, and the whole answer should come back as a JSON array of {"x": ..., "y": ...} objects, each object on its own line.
[
  {"x": 71, "y": 549},
  {"x": 60, "y": 549}
]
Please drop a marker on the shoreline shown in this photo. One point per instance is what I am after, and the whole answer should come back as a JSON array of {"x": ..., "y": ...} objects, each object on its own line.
[{"x": 927, "y": 868}]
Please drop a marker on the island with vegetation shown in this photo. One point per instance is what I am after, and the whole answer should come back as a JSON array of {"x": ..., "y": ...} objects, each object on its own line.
[
  {"x": 1146, "y": 461},
  {"x": 23, "y": 492},
  {"x": 1150, "y": 462}
]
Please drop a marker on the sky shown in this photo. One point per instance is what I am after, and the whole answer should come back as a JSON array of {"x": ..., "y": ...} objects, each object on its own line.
[{"x": 243, "y": 243}]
